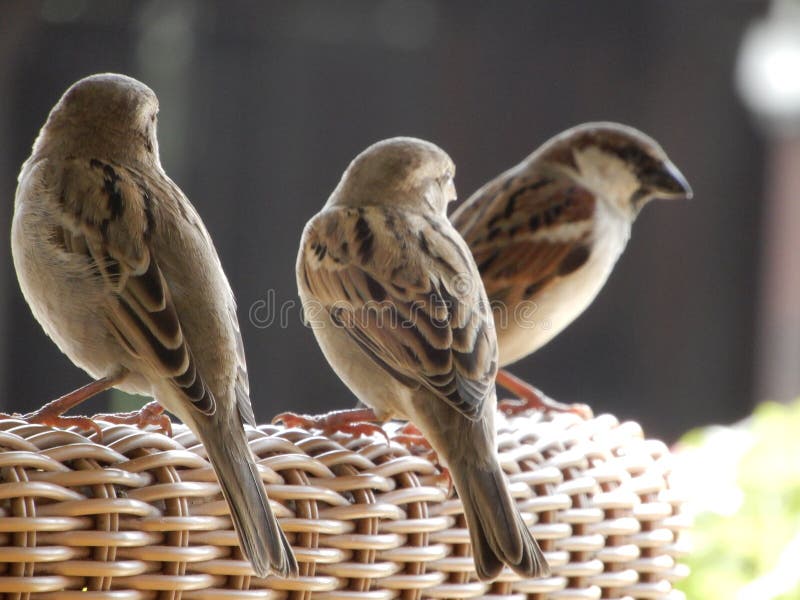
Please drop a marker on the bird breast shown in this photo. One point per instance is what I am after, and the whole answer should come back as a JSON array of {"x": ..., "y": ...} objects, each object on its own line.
[
  {"x": 567, "y": 297},
  {"x": 64, "y": 295}
]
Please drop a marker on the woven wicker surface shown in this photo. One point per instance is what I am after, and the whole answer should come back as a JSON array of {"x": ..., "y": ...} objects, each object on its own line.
[{"x": 140, "y": 515}]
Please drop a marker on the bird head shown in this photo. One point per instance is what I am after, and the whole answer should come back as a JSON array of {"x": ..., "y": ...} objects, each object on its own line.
[
  {"x": 107, "y": 113},
  {"x": 404, "y": 172},
  {"x": 619, "y": 163}
]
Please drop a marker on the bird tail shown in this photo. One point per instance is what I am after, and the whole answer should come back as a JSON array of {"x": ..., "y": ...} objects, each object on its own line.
[
  {"x": 261, "y": 538},
  {"x": 497, "y": 532}
]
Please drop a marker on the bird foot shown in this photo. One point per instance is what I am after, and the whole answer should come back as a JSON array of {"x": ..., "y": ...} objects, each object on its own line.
[
  {"x": 411, "y": 437},
  {"x": 355, "y": 422},
  {"x": 530, "y": 398},
  {"x": 151, "y": 413},
  {"x": 52, "y": 413},
  {"x": 50, "y": 417}
]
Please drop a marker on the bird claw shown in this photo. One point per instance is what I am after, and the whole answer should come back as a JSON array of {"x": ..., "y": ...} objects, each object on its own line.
[
  {"x": 151, "y": 413},
  {"x": 411, "y": 437},
  {"x": 530, "y": 398},
  {"x": 52, "y": 413},
  {"x": 290, "y": 419},
  {"x": 515, "y": 406},
  {"x": 363, "y": 428},
  {"x": 49, "y": 418},
  {"x": 353, "y": 422}
]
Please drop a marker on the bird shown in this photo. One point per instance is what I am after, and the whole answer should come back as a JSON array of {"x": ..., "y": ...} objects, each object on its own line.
[
  {"x": 394, "y": 299},
  {"x": 547, "y": 233},
  {"x": 121, "y": 273}
]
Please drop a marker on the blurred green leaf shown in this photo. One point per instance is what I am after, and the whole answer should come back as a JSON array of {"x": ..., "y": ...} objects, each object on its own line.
[{"x": 731, "y": 551}]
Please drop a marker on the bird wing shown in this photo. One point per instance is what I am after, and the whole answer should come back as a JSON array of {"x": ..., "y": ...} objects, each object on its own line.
[
  {"x": 405, "y": 289},
  {"x": 241, "y": 386},
  {"x": 108, "y": 218},
  {"x": 508, "y": 226}
]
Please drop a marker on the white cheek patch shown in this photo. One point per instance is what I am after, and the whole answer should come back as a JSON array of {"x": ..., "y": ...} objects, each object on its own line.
[{"x": 606, "y": 175}]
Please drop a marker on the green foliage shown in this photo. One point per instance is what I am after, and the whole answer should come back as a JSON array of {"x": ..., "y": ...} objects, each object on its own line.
[
  {"x": 746, "y": 494},
  {"x": 124, "y": 402}
]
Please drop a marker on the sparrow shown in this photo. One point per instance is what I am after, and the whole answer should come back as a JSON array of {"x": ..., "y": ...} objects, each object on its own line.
[
  {"x": 546, "y": 233},
  {"x": 121, "y": 273},
  {"x": 393, "y": 296}
]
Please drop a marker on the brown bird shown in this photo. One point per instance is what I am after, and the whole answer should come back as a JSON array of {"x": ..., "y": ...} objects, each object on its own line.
[
  {"x": 121, "y": 273},
  {"x": 547, "y": 233},
  {"x": 395, "y": 301}
]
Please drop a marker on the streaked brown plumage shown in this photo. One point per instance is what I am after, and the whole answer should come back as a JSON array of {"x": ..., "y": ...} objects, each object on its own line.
[
  {"x": 395, "y": 301},
  {"x": 547, "y": 233},
  {"x": 120, "y": 271}
]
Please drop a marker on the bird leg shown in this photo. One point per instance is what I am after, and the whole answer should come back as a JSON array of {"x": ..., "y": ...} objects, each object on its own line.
[
  {"x": 531, "y": 398},
  {"x": 151, "y": 413},
  {"x": 52, "y": 413},
  {"x": 356, "y": 421}
]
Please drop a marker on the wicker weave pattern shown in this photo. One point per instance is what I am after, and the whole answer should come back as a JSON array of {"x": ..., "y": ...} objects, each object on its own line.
[{"x": 140, "y": 515}]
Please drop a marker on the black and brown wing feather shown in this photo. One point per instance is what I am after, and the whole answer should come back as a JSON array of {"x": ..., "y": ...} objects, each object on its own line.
[
  {"x": 139, "y": 311},
  {"x": 414, "y": 305},
  {"x": 508, "y": 227}
]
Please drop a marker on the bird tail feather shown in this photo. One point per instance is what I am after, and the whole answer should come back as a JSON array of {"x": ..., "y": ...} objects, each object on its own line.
[
  {"x": 497, "y": 532},
  {"x": 261, "y": 538}
]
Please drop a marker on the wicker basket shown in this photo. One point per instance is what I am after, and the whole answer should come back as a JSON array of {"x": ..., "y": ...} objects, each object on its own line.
[{"x": 140, "y": 516}]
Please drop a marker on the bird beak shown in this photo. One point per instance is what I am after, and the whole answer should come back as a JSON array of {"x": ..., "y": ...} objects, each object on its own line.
[
  {"x": 668, "y": 183},
  {"x": 450, "y": 191}
]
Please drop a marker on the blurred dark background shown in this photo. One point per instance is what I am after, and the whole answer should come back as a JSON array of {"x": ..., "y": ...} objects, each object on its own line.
[{"x": 263, "y": 104}]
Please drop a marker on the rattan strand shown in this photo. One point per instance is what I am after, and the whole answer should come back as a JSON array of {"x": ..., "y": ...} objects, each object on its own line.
[{"x": 139, "y": 515}]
